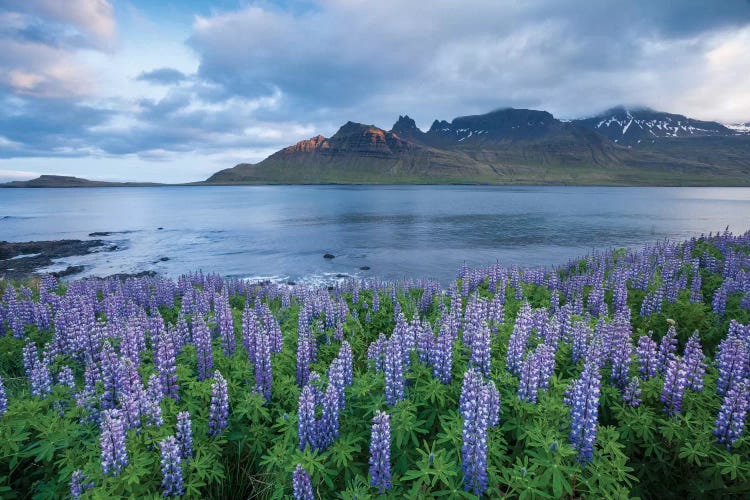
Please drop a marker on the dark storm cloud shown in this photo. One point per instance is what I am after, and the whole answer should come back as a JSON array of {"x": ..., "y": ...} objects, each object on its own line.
[
  {"x": 162, "y": 76},
  {"x": 385, "y": 58}
]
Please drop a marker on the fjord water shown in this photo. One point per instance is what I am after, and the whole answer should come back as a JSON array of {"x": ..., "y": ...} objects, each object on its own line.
[{"x": 282, "y": 232}]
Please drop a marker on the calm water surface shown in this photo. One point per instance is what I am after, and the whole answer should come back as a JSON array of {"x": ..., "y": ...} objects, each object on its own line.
[{"x": 398, "y": 231}]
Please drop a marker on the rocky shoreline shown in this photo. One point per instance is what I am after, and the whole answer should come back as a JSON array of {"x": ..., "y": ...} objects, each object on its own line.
[{"x": 22, "y": 260}]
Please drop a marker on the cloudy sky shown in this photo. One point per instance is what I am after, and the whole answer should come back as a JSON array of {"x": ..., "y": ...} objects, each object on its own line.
[{"x": 175, "y": 90}]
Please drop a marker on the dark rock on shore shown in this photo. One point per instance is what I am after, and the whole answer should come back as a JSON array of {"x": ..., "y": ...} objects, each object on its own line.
[
  {"x": 100, "y": 234},
  {"x": 19, "y": 260},
  {"x": 124, "y": 276},
  {"x": 329, "y": 256},
  {"x": 68, "y": 271}
]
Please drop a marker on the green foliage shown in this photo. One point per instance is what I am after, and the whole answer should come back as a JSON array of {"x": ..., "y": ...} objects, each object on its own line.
[{"x": 640, "y": 452}]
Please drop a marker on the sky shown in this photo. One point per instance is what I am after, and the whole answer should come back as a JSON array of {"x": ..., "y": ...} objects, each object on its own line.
[{"x": 174, "y": 90}]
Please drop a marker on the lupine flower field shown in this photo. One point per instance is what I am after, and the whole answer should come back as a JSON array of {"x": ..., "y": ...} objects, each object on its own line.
[{"x": 623, "y": 374}]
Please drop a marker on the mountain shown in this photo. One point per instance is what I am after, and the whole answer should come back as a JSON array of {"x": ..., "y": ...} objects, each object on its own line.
[
  {"x": 356, "y": 153},
  {"x": 515, "y": 146},
  {"x": 638, "y": 125},
  {"x": 58, "y": 181},
  {"x": 739, "y": 128}
]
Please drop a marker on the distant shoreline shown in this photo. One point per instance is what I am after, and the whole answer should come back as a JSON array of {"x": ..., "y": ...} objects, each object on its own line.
[{"x": 44, "y": 182}]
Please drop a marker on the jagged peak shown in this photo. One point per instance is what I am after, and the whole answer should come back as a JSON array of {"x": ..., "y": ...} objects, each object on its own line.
[
  {"x": 405, "y": 124},
  {"x": 439, "y": 125}
]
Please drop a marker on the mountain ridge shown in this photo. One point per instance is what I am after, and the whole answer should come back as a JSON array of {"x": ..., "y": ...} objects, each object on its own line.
[
  {"x": 59, "y": 181},
  {"x": 638, "y": 146}
]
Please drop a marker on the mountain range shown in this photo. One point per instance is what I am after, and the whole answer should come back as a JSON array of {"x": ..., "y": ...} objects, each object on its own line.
[{"x": 622, "y": 146}]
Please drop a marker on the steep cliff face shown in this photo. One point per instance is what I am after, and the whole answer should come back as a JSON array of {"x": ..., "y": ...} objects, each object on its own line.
[{"x": 316, "y": 143}]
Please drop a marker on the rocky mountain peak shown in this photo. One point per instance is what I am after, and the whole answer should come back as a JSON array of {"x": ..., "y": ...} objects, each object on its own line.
[{"x": 405, "y": 125}]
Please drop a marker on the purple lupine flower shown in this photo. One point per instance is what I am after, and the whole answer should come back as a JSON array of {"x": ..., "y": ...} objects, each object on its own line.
[
  {"x": 583, "y": 399},
  {"x": 184, "y": 434},
  {"x": 675, "y": 383},
  {"x": 732, "y": 361},
  {"x": 479, "y": 406},
  {"x": 30, "y": 357},
  {"x": 695, "y": 365},
  {"x": 338, "y": 333},
  {"x": 581, "y": 334},
  {"x": 470, "y": 386},
  {"x": 696, "y": 296},
  {"x": 653, "y": 301},
  {"x": 480, "y": 349},
  {"x": 328, "y": 427},
  {"x": 301, "y": 484},
  {"x": 536, "y": 370},
  {"x": 203, "y": 349},
  {"x": 667, "y": 348},
  {"x": 3, "y": 399},
  {"x": 304, "y": 349},
  {"x": 529, "y": 378},
  {"x": 219, "y": 412},
  {"x": 132, "y": 397},
  {"x": 65, "y": 377},
  {"x": 171, "y": 467},
  {"x": 250, "y": 330},
  {"x": 620, "y": 350},
  {"x": 272, "y": 329},
  {"x": 425, "y": 343},
  {"x": 518, "y": 339},
  {"x": 719, "y": 302},
  {"x": 497, "y": 311},
  {"x": 648, "y": 358},
  {"x": 380, "y": 452},
  {"x": 730, "y": 422},
  {"x": 306, "y": 424},
  {"x": 263, "y": 372},
  {"x": 315, "y": 382},
  {"x": 165, "y": 362},
  {"x": 347, "y": 357},
  {"x": 111, "y": 377},
  {"x": 546, "y": 354},
  {"x": 632, "y": 393},
  {"x": 394, "y": 371},
  {"x": 78, "y": 484},
  {"x": 442, "y": 356},
  {"x": 223, "y": 312},
  {"x": 41, "y": 381},
  {"x": 337, "y": 379},
  {"x": 376, "y": 352},
  {"x": 152, "y": 402},
  {"x": 112, "y": 441}
]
